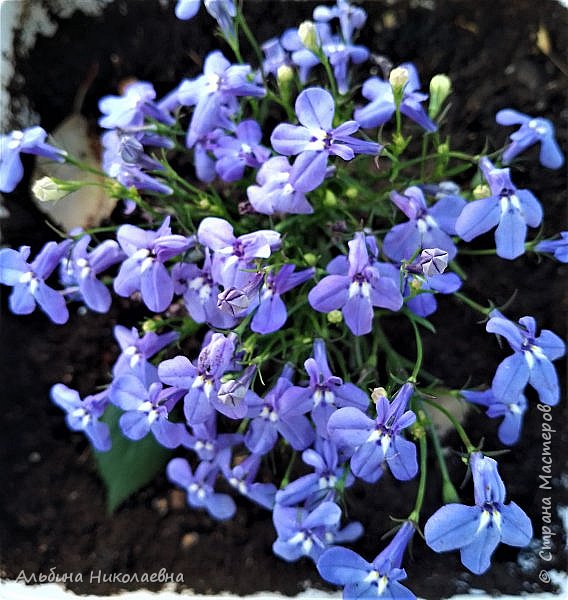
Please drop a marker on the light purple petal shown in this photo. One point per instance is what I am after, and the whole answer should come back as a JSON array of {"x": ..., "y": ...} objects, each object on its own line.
[
  {"x": 331, "y": 293},
  {"x": 315, "y": 108},
  {"x": 452, "y": 526}
]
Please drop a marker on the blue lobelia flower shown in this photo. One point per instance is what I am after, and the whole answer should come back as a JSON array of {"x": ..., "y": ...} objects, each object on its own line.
[
  {"x": 532, "y": 130},
  {"x": 28, "y": 141},
  {"x": 558, "y": 248},
  {"x": 274, "y": 192},
  {"x": 244, "y": 150},
  {"x": 275, "y": 56},
  {"x": 223, "y": 11},
  {"x": 199, "y": 487},
  {"x": 28, "y": 280},
  {"x": 513, "y": 411},
  {"x": 130, "y": 109},
  {"x": 356, "y": 292},
  {"x": 277, "y": 414},
  {"x": 309, "y": 533},
  {"x": 363, "y": 580},
  {"x": 326, "y": 391},
  {"x": 207, "y": 443},
  {"x": 374, "y": 443},
  {"x": 234, "y": 256},
  {"x": 147, "y": 410},
  {"x": 144, "y": 269},
  {"x": 418, "y": 289},
  {"x": 350, "y": 17},
  {"x": 200, "y": 293},
  {"x": 136, "y": 352},
  {"x": 83, "y": 415},
  {"x": 382, "y": 105},
  {"x": 508, "y": 208},
  {"x": 322, "y": 484},
  {"x": 315, "y": 139},
  {"x": 530, "y": 364},
  {"x": 242, "y": 478},
  {"x": 214, "y": 95},
  {"x": 82, "y": 267},
  {"x": 428, "y": 227},
  {"x": 271, "y": 313},
  {"x": 202, "y": 383},
  {"x": 124, "y": 160},
  {"x": 477, "y": 530}
]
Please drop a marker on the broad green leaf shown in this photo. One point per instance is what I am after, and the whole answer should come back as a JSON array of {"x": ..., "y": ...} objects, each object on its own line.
[{"x": 127, "y": 466}]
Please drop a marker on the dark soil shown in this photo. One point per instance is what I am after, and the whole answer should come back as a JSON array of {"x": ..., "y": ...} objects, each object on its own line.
[{"x": 52, "y": 507}]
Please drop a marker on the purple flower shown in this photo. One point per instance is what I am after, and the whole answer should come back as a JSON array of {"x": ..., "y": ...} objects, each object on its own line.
[
  {"x": 303, "y": 58},
  {"x": 235, "y": 256},
  {"x": 214, "y": 95},
  {"x": 28, "y": 141},
  {"x": 271, "y": 314},
  {"x": 130, "y": 109},
  {"x": 28, "y": 280},
  {"x": 275, "y": 56},
  {"x": 532, "y": 130},
  {"x": 356, "y": 292},
  {"x": 207, "y": 443},
  {"x": 477, "y": 530},
  {"x": 235, "y": 153},
  {"x": 83, "y": 415},
  {"x": 147, "y": 410},
  {"x": 350, "y": 17},
  {"x": 379, "y": 579},
  {"x": 315, "y": 139},
  {"x": 123, "y": 160},
  {"x": 199, "y": 487},
  {"x": 326, "y": 391},
  {"x": 513, "y": 411},
  {"x": 278, "y": 414},
  {"x": 136, "y": 351},
  {"x": 531, "y": 362},
  {"x": 203, "y": 382},
  {"x": 322, "y": 484},
  {"x": 200, "y": 293},
  {"x": 242, "y": 477},
  {"x": 508, "y": 208},
  {"x": 558, "y": 248},
  {"x": 419, "y": 290},
  {"x": 309, "y": 533},
  {"x": 144, "y": 269},
  {"x": 223, "y": 11},
  {"x": 382, "y": 104},
  {"x": 274, "y": 192},
  {"x": 82, "y": 268},
  {"x": 376, "y": 442},
  {"x": 428, "y": 227},
  {"x": 341, "y": 53}
]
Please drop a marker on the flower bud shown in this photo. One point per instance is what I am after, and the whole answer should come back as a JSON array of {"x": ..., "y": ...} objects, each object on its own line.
[
  {"x": 433, "y": 261},
  {"x": 329, "y": 200},
  {"x": 398, "y": 78},
  {"x": 377, "y": 393},
  {"x": 440, "y": 89},
  {"x": 47, "y": 190},
  {"x": 335, "y": 316},
  {"x": 311, "y": 259},
  {"x": 235, "y": 301},
  {"x": 285, "y": 78},
  {"x": 308, "y": 35},
  {"x": 481, "y": 191}
]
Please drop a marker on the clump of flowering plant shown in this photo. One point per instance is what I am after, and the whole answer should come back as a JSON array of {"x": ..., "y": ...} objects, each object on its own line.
[{"x": 266, "y": 268}]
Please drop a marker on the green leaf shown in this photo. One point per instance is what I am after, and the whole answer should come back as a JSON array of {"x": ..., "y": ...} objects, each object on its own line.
[{"x": 127, "y": 466}]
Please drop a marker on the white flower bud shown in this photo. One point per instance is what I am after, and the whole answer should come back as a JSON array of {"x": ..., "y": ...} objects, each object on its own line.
[
  {"x": 440, "y": 89},
  {"x": 398, "y": 78},
  {"x": 47, "y": 190},
  {"x": 308, "y": 35},
  {"x": 433, "y": 261}
]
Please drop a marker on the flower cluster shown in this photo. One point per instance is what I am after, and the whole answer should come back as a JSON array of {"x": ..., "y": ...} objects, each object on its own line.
[{"x": 268, "y": 248}]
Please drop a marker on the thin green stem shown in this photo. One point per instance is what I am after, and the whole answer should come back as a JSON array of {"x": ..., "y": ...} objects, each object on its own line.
[
  {"x": 472, "y": 304},
  {"x": 286, "y": 478},
  {"x": 415, "y": 514},
  {"x": 449, "y": 493},
  {"x": 419, "y": 352},
  {"x": 457, "y": 425}
]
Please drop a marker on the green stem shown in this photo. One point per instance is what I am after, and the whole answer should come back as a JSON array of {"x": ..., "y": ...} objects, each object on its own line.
[
  {"x": 449, "y": 493},
  {"x": 487, "y": 252},
  {"x": 286, "y": 478},
  {"x": 457, "y": 425},
  {"x": 415, "y": 514},
  {"x": 472, "y": 304},
  {"x": 419, "y": 352}
]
